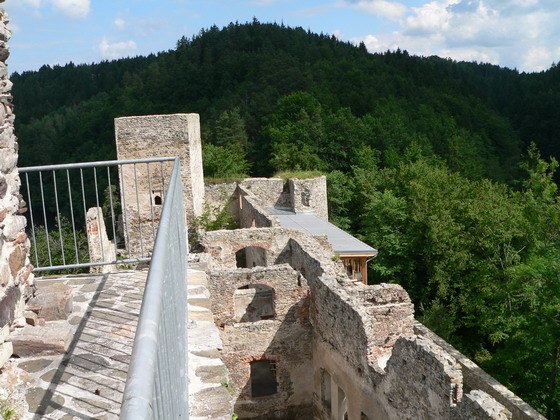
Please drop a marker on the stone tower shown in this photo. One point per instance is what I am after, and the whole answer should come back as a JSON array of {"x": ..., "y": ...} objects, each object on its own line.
[{"x": 158, "y": 136}]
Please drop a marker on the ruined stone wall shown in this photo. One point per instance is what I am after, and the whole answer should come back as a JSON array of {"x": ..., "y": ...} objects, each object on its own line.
[
  {"x": 309, "y": 195},
  {"x": 218, "y": 197},
  {"x": 474, "y": 378},
  {"x": 423, "y": 380},
  {"x": 251, "y": 213},
  {"x": 284, "y": 339},
  {"x": 269, "y": 192},
  {"x": 15, "y": 269},
  {"x": 222, "y": 245},
  {"x": 367, "y": 361}
]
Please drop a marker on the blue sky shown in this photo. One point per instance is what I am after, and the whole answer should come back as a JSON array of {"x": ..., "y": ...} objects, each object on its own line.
[{"x": 522, "y": 34}]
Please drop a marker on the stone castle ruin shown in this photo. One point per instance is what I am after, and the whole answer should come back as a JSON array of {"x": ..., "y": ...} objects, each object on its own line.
[{"x": 282, "y": 321}]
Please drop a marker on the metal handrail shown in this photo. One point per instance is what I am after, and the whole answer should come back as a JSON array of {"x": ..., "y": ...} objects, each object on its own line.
[
  {"x": 156, "y": 386},
  {"x": 58, "y": 198}
]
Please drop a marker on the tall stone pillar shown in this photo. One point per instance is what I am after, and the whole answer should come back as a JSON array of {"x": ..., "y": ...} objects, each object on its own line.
[{"x": 15, "y": 269}]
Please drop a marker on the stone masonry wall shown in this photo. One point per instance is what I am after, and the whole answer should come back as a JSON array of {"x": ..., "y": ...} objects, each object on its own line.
[
  {"x": 218, "y": 197},
  {"x": 474, "y": 378},
  {"x": 251, "y": 213},
  {"x": 309, "y": 195},
  {"x": 161, "y": 136},
  {"x": 15, "y": 269},
  {"x": 269, "y": 192},
  {"x": 285, "y": 339},
  {"x": 366, "y": 359}
]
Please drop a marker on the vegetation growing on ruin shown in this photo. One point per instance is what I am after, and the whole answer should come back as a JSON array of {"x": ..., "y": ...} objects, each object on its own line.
[{"x": 429, "y": 160}]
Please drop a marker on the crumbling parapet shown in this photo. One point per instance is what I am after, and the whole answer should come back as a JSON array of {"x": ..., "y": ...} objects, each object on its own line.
[
  {"x": 474, "y": 378},
  {"x": 269, "y": 192},
  {"x": 479, "y": 405},
  {"x": 15, "y": 268}
]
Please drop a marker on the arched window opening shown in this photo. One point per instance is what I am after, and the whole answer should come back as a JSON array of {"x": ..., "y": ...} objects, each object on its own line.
[
  {"x": 263, "y": 378},
  {"x": 251, "y": 256},
  {"x": 254, "y": 302}
]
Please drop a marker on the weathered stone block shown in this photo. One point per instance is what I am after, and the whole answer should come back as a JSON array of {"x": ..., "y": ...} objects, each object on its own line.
[
  {"x": 52, "y": 338},
  {"x": 52, "y": 302}
]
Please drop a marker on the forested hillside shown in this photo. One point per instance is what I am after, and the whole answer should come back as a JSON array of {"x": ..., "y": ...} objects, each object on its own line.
[{"x": 447, "y": 168}]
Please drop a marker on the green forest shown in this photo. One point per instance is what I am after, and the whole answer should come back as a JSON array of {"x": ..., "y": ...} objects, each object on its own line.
[{"x": 448, "y": 168}]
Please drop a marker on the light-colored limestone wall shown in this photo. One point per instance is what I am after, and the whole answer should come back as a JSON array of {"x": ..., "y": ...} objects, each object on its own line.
[
  {"x": 309, "y": 195},
  {"x": 160, "y": 136},
  {"x": 15, "y": 269}
]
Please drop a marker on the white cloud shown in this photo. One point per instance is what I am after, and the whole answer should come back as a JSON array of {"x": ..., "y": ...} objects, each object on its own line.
[
  {"x": 119, "y": 23},
  {"x": 111, "y": 51},
  {"x": 540, "y": 58},
  {"x": 514, "y": 33},
  {"x": 430, "y": 17},
  {"x": 389, "y": 9},
  {"x": 73, "y": 8}
]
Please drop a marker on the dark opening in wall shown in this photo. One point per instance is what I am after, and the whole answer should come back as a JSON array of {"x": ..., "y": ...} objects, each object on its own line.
[
  {"x": 251, "y": 256},
  {"x": 254, "y": 302},
  {"x": 157, "y": 197},
  {"x": 263, "y": 378},
  {"x": 326, "y": 395}
]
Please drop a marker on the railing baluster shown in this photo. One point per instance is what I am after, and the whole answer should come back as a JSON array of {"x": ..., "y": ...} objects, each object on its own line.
[
  {"x": 139, "y": 234},
  {"x": 72, "y": 217},
  {"x": 112, "y": 209},
  {"x": 99, "y": 215},
  {"x": 138, "y": 212},
  {"x": 85, "y": 207},
  {"x": 45, "y": 218},
  {"x": 32, "y": 221},
  {"x": 151, "y": 201},
  {"x": 124, "y": 212},
  {"x": 59, "y": 219}
]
